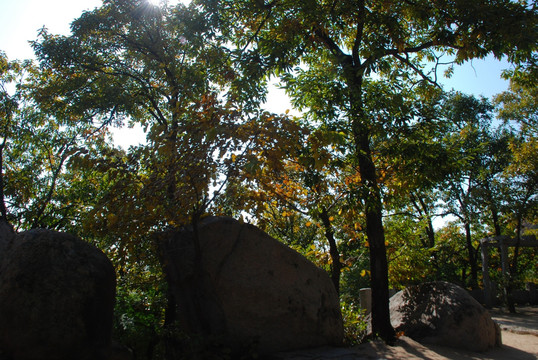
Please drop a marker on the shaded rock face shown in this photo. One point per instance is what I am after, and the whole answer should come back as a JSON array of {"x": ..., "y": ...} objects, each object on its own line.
[
  {"x": 249, "y": 288},
  {"x": 56, "y": 298},
  {"x": 444, "y": 314}
]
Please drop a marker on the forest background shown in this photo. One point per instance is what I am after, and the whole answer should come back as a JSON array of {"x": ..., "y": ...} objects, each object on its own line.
[{"x": 354, "y": 183}]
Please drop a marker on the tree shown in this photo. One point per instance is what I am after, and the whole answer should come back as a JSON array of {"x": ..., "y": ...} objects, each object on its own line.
[
  {"x": 519, "y": 106},
  {"x": 166, "y": 69},
  {"x": 9, "y": 73},
  {"x": 468, "y": 141},
  {"x": 340, "y": 45},
  {"x": 39, "y": 145}
]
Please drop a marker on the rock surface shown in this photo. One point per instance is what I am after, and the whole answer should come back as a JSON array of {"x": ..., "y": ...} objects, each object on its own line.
[
  {"x": 56, "y": 297},
  {"x": 443, "y": 314},
  {"x": 249, "y": 289}
]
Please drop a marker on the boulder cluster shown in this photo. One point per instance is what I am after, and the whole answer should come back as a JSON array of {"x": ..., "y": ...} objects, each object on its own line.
[{"x": 227, "y": 280}]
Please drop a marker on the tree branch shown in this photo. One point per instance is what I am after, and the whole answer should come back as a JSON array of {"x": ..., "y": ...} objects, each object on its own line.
[
  {"x": 416, "y": 69},
  {"x": 259, "y": 28},
  {"x": 359, "y": 35},
  {"x": 332, "y": 46}
]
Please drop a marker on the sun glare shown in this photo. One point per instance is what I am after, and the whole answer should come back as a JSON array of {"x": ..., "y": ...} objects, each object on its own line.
[{"x": 167, "y": 2}]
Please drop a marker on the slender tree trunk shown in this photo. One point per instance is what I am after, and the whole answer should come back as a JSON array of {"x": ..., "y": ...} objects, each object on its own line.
[
  {"x": 336, "y": 266},
  {"x": 6, "y": 230},
  {"x": 3, "y": 208},
  {"x": 52, "y": 188},
  {"x": 493, "y": 209},
  {"x": 472, "y": 257},
  {"x": 513, "y": 268},
  {"x": 430, "y": 232},
  {"x": 496, "y": 224}
]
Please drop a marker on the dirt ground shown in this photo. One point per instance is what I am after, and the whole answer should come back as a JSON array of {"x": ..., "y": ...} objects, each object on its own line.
[
  {"x": 519, "y": 337},
  {"x": 515, "y": 347}
]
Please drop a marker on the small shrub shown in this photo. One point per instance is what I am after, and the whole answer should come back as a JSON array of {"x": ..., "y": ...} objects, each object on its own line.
[{"x": 355, "y": 324}]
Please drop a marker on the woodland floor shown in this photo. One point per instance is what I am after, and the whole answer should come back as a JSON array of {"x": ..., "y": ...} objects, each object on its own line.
[{"x": 519, "y": 337}]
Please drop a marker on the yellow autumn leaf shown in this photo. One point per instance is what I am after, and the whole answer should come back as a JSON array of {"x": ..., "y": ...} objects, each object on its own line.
[{"x": 308, "y": 224}]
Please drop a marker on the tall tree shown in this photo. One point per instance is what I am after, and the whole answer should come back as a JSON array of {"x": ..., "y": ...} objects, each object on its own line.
[
  {"x": 519, "y": 107},
  {"x": 162, "y": 68},
  {"x": 338, "y": 45},
  {"x": 166, "y": 69},
  {"x": 468, "y": 140}
]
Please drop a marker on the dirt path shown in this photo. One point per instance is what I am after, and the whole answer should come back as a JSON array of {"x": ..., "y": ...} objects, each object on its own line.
[
  {"x": 515, "y": 347},
  {"x": 519, "y": 337},
  {"x": 525, "y": 321}
]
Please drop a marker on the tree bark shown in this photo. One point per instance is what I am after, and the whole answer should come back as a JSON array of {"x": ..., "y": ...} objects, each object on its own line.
[
  {"x": 336, "y": 266},
  {"x": 472, "y": 256}
]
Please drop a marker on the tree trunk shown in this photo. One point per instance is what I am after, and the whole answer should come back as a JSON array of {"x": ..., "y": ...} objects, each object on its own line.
[
  {"x": 430, "y": 232},
  {"x": 336, "y": 266},
  {"x": 36, "y": 223},
  {"x": 493, "y": 209},
  {"x": 191, "y": 292},
  {"x": 371, "y": 196},
  {"x": 472, "y": 257},
  {"x": 513, "y": 268},
  {"x": 496, "y": 224},
  {"x": 3, "y": 208}
]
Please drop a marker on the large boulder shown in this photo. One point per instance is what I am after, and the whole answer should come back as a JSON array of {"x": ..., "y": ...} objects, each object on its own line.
[
  {"x": 444, "y": 314},
  {"x": 56, "y": 297},
  {"x": 239, "y": 284}
]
